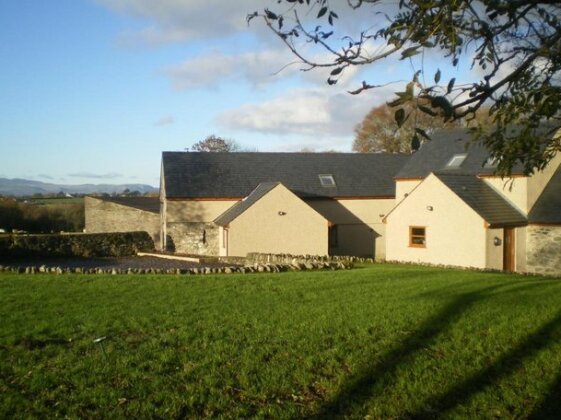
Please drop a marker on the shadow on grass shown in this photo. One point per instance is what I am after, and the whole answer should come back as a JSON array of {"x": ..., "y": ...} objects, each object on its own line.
[
  {"x": 550, "y": 407},
  {"x": 362, "y": 387},
  {"x": 505, "y": 365}
]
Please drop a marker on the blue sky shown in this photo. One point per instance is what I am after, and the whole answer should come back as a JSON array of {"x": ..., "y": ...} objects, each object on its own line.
[{"x": 94, "y": 90}]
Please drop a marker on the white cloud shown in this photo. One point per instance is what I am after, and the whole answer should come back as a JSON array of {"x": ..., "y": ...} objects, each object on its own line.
[
  {"x": 111, "y": 175},
  {"x": 256, "y": 68},
  {"x": 309, "y": 112},
  {"x": 211, "y": 69},
  {"x": 180, "y": 20},
  {"x": 167, "y": 120}
]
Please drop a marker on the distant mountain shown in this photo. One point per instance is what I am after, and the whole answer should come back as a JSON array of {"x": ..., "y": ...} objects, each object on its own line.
[{"x": 24, "y": 187}]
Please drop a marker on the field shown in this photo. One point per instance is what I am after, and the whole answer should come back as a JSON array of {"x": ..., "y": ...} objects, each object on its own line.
[
  {"x": 380, "y": 341},
  {"x": 42, "y": 215}
]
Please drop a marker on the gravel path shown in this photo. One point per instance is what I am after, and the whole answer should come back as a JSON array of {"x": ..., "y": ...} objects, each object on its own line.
[{"x": 106, "y": 263}]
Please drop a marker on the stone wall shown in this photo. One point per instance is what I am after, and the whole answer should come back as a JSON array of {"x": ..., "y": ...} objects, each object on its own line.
[
  {"x": 76, "y": 245},
  {"x": 105, "y": 216},
  {"x": 197, "y": 238},
  {"x": 544, "y": 250}
]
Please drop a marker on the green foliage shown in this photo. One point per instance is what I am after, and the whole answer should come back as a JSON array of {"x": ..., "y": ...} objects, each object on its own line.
[
  {"x": 513, "y": 45},
  {"x": 117, "y": 244},
  {"x": 383, "y": 341}
]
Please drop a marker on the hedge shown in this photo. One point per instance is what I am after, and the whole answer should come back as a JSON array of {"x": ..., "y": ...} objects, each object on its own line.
[{"x": 86, "y": 245}]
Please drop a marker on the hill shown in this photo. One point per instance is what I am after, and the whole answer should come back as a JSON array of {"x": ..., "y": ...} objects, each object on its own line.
[{"x": 23, "y": 187}]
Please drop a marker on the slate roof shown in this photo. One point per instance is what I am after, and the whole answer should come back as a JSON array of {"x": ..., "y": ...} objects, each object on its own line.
[
  {"x": 548, "y": 207},
  {"x": 236, "y": 175},
  {"x": 238, "y": 208},
  {"x": 434, "y": 155},
  {"x": 485, "y": 201},
  {"x": 149, "y": 204}
]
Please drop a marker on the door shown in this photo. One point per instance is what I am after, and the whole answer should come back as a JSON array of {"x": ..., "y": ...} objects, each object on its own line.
[{"x": 508, "y": 249}]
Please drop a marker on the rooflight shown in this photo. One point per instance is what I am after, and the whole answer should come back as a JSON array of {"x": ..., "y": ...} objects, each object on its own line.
[
  {"x": 327, "y": 180},
  {"x": 456, "y": 160},
  {"x": 491, "y": 162}
]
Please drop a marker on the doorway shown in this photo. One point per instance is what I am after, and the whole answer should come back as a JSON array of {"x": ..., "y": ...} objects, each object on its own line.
[{"x": 509, "y": 250}]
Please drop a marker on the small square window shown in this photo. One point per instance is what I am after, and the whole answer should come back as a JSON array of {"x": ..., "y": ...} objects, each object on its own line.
[
  {"x": 327, "y": 180},
  {"x": 417, "y": 236},
  {"x": 456, "y": 161}
]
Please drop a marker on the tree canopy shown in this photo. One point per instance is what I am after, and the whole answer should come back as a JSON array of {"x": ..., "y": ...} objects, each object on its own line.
[
  {"x": 379, "y": 132},
  {"x": 213, "y": 143},
  {"x": 514, "y": 46}
]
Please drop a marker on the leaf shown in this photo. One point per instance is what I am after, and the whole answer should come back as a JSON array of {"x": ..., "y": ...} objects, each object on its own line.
[
  {"x": 445, "y": 105},
  {"x": 428, "y": 110},
  {"x": 437, "y": 77},
  {"x": 395, "y": 102},
  {"x": 331, "y": 81},
  {"x": 415, "y": 143},
  {"x": 336, "y": 71},
  {"x": 451, "y": 85},
  {"x": 409, "y": 52},
  {"x": 270, "y": 15},
  {"x": 399, "y": 117},
  {"x": 251, "y": 16},
  {"x": 322, "y": 11},
  {"x": 410, "y": 89},
  {"x": 422, "y": 133},
  {"x": 332, "y": 15}
]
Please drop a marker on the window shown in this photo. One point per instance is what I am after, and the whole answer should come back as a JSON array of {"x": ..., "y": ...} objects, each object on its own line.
[
  {"x": 327, "y": 180},
  {"x": 417, "y": 236},
  {"x": 491, "y": 162},
  {"x": 333, "y": 236},
  {"x": 456, "y": 160}
]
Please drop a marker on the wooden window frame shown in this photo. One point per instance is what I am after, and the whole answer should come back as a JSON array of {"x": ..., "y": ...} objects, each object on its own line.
[{"x": 411, "y": 236}]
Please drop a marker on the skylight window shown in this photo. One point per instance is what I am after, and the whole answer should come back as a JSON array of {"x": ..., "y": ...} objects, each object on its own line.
[
  {"x": 327, "y": 180},
  {"x": 456, "y": 160},
  {"x": 491, "y": 162}
]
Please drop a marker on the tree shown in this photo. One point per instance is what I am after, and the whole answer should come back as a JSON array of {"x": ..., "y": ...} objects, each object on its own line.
[
  {"x": 379, "y": 132},
  {"x": 515, "y": 45},
  {"x": 216, "y": 144}
]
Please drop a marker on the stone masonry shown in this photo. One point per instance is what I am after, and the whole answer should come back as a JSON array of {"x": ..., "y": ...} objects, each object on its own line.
[
  {"x": 198, "y": 238},
  {"x": 104, "y": 216},
  {"x": 544, "y": 250}
]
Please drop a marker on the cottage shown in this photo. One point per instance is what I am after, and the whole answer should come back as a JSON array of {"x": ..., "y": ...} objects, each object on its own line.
[
  {"x": 305, "y": 203},
  {"x": 441, "y": 205},
  {"x": 451, "y": 209}
]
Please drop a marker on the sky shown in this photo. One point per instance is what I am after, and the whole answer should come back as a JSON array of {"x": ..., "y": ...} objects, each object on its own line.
[{"x": 92, "y": 91}]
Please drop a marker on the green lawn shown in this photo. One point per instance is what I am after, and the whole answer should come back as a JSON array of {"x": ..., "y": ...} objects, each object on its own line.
[{"x": 382, "y": 341}]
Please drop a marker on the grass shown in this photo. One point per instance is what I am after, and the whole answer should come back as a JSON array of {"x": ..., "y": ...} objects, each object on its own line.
[
  {"x": 382, "y": 341},
  {"x": 44, "y": 201}
]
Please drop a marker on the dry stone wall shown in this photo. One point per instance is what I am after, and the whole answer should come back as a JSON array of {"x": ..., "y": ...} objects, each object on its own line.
[
  {"x": 196, "y": 238},
  {"x": 543, "y": 249},
  {"x": 105, "y": 216}
]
